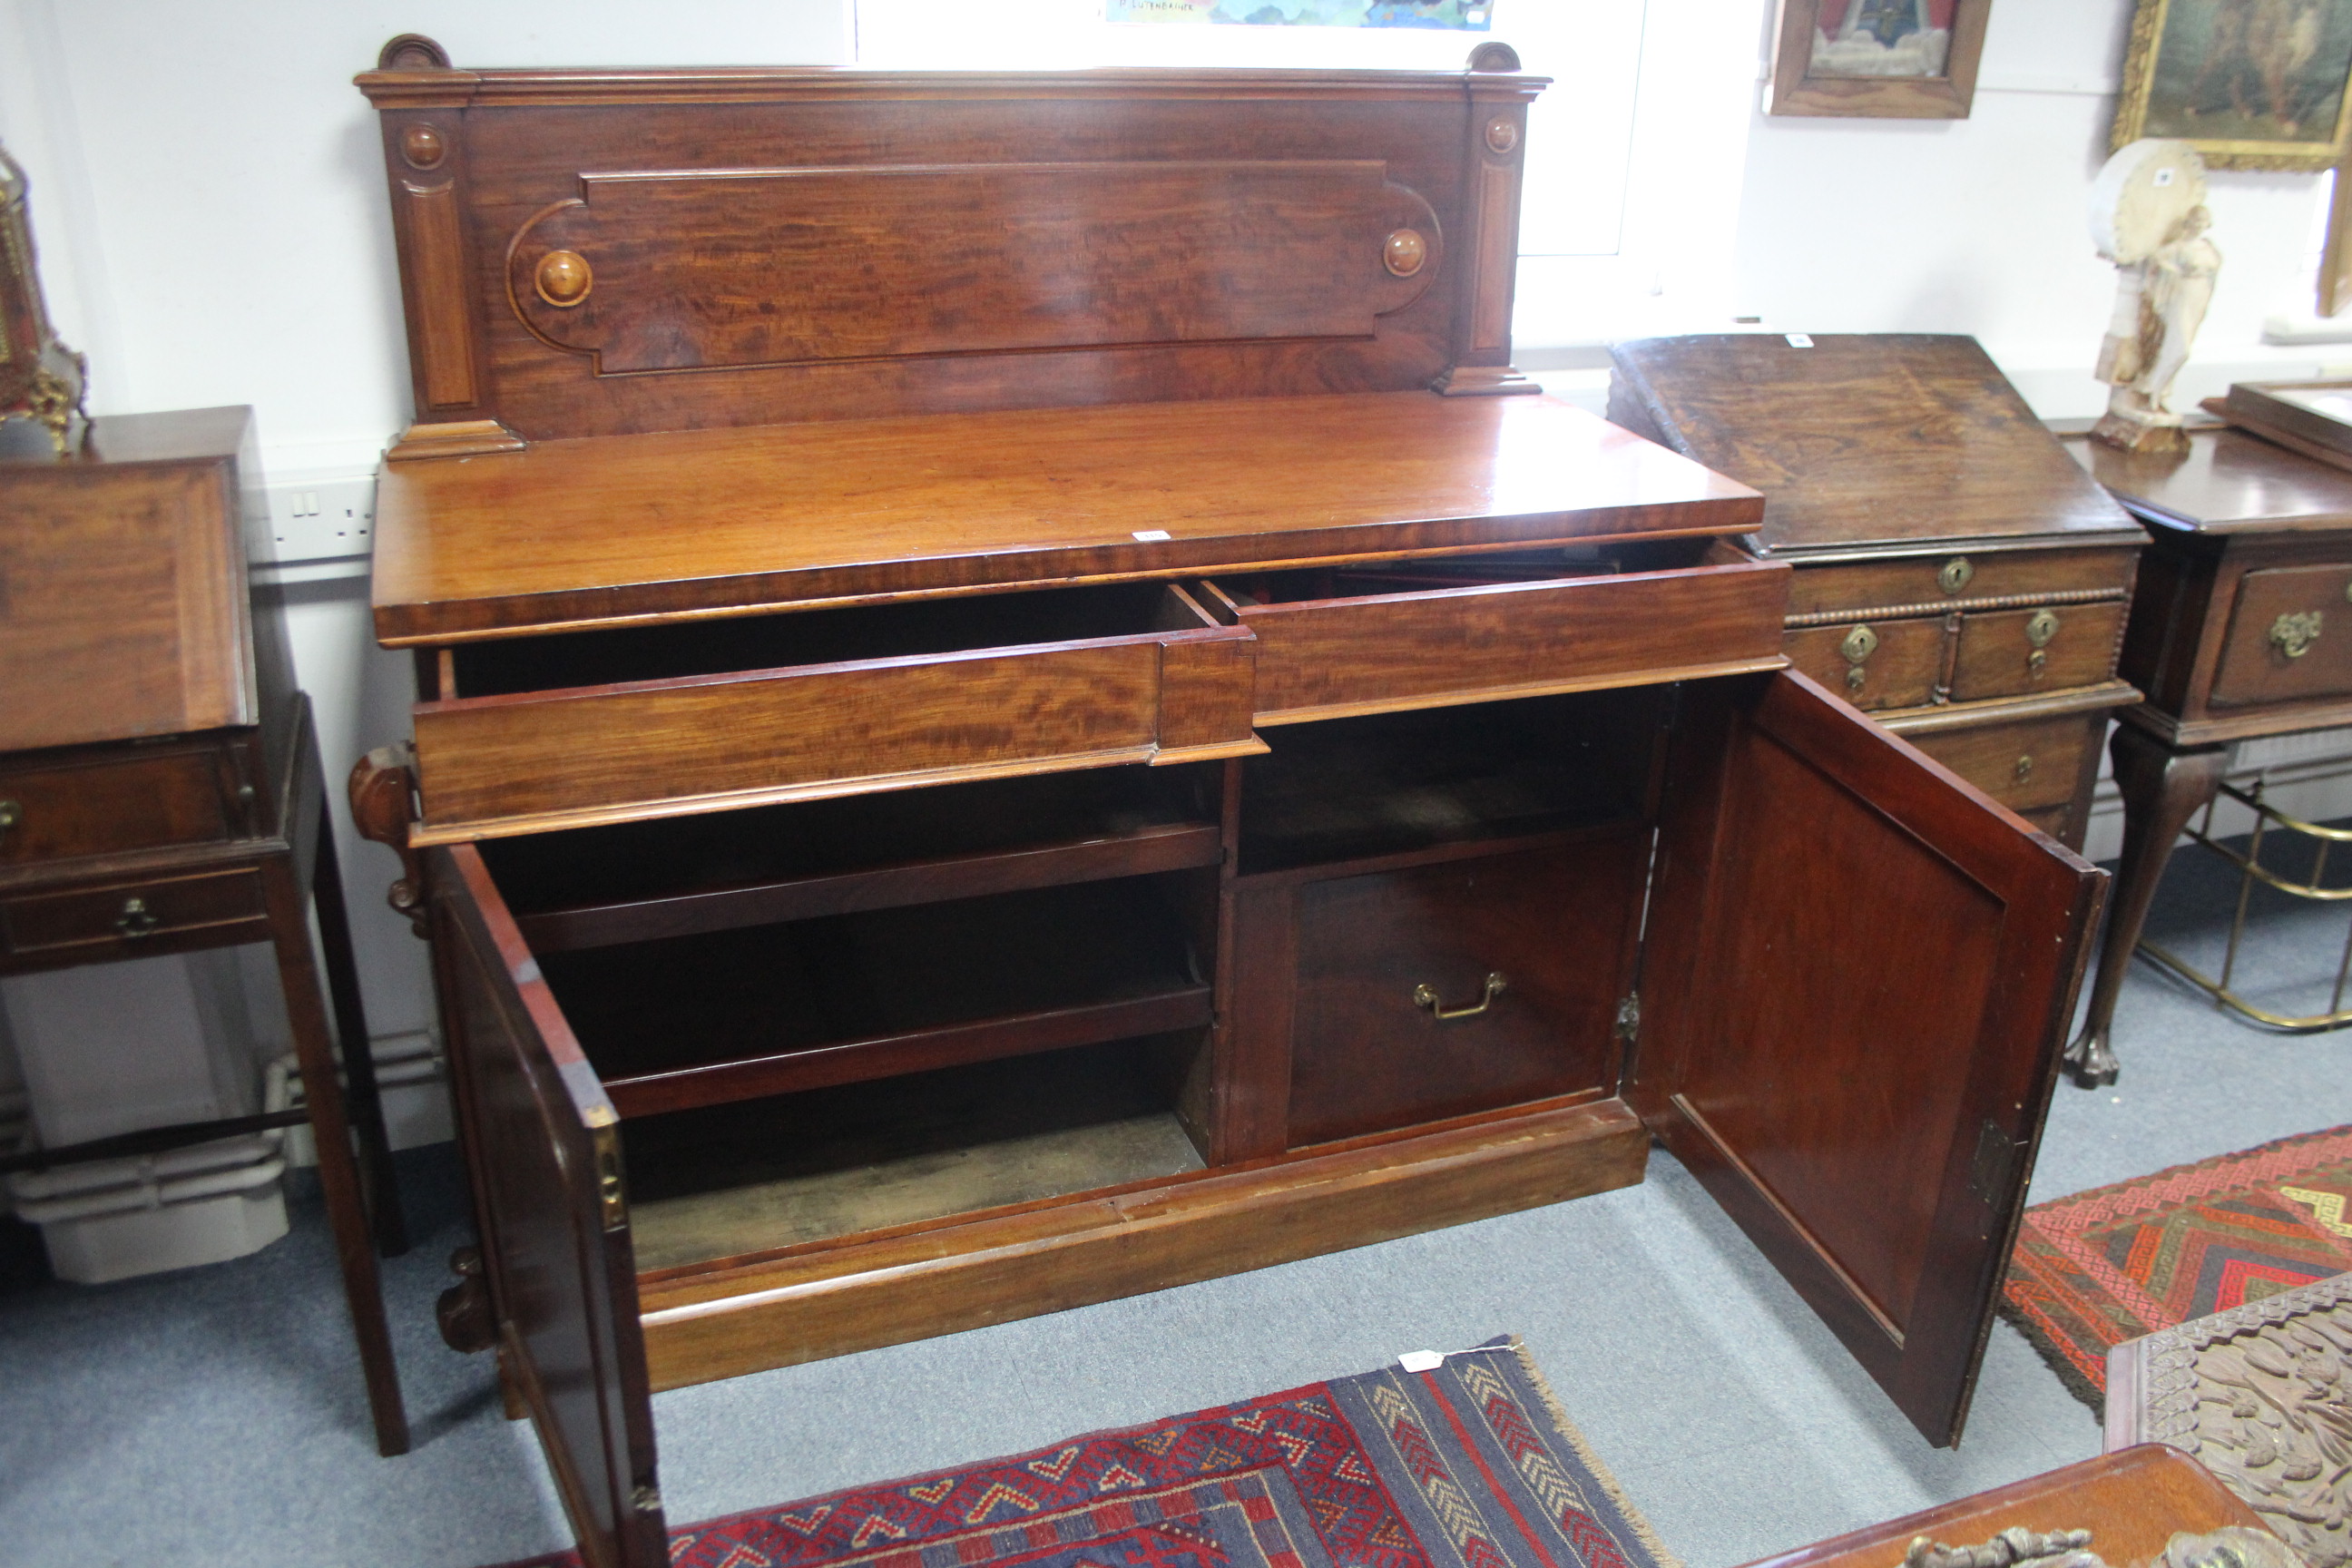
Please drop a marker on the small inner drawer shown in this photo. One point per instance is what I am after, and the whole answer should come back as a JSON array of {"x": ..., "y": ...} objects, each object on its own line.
[
  {"x": 2009, "y": 653},
  {"x": 124, "y": 915},
  {"x": 104, "y": 806},
  {"x": 1935, "y": 581},
  {"x": 1900, "y": 660}
]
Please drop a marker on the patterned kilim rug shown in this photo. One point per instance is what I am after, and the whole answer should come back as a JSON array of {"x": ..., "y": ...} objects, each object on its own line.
[
  {"x": 1471, "y": 1464},
  {"x": 2114, "y": 1263}
]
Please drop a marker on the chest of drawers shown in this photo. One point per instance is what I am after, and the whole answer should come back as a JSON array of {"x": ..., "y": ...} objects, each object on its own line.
[{"x": 916, "y": 835}]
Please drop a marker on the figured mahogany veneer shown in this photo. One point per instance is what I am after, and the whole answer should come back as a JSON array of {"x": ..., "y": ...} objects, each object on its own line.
[{"x": 901, "y": 857}]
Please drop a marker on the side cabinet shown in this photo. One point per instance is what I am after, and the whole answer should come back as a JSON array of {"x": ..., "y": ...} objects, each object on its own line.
[{"x": 1854, "y": 981}]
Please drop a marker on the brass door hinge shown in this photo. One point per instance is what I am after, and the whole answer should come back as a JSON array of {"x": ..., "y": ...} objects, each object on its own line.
[
  {"x": 1993, "y": 1174},
  {"x": 1628, "y": 1018}
]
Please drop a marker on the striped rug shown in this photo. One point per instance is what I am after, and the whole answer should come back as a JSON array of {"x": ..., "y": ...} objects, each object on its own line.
[
  {"x": 1468, "y": 1463},
  {"x": 2101, "y": 1267}
]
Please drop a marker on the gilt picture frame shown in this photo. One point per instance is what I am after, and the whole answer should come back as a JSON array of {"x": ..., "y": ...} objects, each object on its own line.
[
  {"x": 2250, "y": 84},
  {"x": 1903, "y": 59}
]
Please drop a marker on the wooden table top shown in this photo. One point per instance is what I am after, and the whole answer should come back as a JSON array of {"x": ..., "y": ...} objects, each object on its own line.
[
  {"x": 2230, "y": 482},
  {"x": 639, "y": 528}
]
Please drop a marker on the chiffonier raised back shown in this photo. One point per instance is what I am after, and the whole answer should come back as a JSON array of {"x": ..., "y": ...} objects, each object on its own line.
[{"x": 995, "y": 733}]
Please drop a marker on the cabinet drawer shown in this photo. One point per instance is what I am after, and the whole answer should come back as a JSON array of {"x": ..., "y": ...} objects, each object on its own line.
[
  {"x": 592, "y": 727},
  {"x": 1337, "y": 642},
  {"x": 1935, "y": 580},
  {"x": 1446, "y": 989},
  {"x": 2026, "y": 765},
  {"x": 124, "y": 915},
  {"x": 104, "y": 805},
  {"x": 2077, "y": 645},
  {"x": 2290, "y": 638},
  {"x": 1902, "y": 660}
]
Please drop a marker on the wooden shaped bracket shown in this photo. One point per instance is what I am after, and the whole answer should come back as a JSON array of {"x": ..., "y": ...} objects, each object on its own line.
[{"x": 383, "y": 807}]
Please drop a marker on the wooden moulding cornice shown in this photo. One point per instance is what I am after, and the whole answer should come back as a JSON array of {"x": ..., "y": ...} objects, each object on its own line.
[
  {"x": 414, "y": 89},
  {"x": 460, "y": 438}
]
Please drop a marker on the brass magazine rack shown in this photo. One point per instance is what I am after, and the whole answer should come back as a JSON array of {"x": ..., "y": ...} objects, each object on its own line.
[{"x": 2252, "y": 870}]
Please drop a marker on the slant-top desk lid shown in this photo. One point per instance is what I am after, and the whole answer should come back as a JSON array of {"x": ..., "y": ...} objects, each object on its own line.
[{"x": 1875, "y": 443}]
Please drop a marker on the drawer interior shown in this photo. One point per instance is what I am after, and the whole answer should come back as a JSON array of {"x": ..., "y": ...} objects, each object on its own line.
[
  {"x": 1312, "y": 583},
  {"x": 931, "y": 626},
  {"x": 1350, "y": 789},
  {"x": 728, "y": 1181}
]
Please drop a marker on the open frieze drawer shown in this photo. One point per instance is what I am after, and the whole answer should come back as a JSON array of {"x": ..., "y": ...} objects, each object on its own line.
[{"x": 1084, "y": 761}]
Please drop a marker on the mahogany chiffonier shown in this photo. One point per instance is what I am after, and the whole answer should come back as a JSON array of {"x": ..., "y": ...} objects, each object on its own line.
[
  {"x": 2233, "y": 637},
  {"x": 1957, "y": 576},
  {"x": 161, "y": 789},
  {"x": 990, "y": 737}
]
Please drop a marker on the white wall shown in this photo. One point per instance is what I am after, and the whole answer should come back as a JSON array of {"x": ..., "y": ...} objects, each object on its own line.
[{"x": 208, "y": 198}]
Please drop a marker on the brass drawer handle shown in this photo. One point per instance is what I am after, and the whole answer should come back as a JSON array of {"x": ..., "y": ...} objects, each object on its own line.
[
  {"x": 2293, "y": 633},
  {"x": 135, "y": 920},
  {"x": 2039, "y": 631},
  {"x": 11, "y": 814},
  {"x": 1425, "y": 995}
]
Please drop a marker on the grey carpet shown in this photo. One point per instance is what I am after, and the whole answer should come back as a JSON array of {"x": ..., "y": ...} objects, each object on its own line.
[{"x": 215, "y": 1416}]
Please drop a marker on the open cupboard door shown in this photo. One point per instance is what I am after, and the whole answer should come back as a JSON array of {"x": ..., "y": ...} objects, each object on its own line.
[
  {"x": 545, "y": 1162},
  {"x": 1859, "y": 977}
]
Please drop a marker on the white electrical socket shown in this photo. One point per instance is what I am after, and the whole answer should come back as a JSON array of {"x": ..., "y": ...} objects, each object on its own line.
[{"x": 317, "y": 519}]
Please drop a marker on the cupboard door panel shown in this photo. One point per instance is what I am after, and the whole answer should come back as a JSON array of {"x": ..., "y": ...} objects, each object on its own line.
[
  {"x": 1862, "y": 974},
  {"x": 545, "y": 1155}
]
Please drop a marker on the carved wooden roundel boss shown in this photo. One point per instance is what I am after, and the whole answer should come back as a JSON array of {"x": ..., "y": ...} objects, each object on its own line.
[
  {"x": 563, "y": 279},
  {"x": 1404, "y": 252}
]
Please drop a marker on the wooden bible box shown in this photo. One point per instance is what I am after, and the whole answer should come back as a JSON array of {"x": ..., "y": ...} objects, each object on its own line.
[
  {"x": 1956, "y": 576},
  {"x": 994, "y": 740}
]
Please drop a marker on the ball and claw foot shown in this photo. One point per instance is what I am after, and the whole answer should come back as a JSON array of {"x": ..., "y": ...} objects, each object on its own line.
[{"x": 2090, "y": 1062}]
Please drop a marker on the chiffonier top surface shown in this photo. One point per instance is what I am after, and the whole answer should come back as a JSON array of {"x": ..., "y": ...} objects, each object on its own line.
[
  {"x": 1865, "y": 442},
  {"x": 2230, "y": 482},
  {"x": 622, "y": 529}
]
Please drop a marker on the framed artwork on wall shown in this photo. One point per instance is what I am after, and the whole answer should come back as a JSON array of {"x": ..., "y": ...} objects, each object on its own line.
[
  {"x": 2251, "y": 84},
  {"x": 1908, "y": 60}
]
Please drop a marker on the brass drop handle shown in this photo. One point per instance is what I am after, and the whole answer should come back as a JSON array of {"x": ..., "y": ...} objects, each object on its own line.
[
  {"x": 2293, "y": 633},
  {"x": 11, "y": 814},
  {"x": 2025, "y": 769},
  {"x": 135, "y": 920},
  {"x": 1425, "y": 995}
]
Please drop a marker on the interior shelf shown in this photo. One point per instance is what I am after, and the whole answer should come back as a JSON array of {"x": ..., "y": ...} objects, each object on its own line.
[
  {"x": 733, "y": 1014},
  {"x": 646, "y": 882},
  {"x": 734, "y": 1180},
  {"x": 1353, "y": 789}
]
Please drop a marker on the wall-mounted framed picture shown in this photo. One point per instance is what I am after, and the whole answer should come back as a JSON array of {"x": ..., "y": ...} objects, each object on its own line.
[
  {"x": 2251, "y": 84},
  {"x": 1905, "y": 59}
]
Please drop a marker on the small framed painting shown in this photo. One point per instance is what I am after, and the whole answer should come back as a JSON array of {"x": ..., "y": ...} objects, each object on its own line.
[
  {"x": 2250, "y": 84},
  {"x": 1906, "y": 60}
]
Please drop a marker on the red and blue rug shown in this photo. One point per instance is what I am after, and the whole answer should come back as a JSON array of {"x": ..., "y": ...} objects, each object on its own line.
[
  {"x": 2101, "y": 1267},
  {"x": 1471, "y": 1464}
]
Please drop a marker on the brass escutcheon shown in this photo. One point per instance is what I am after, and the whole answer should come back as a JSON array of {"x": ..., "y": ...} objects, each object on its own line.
[
  {"x": 2042, "y": 627},
  {"x": 1858, "y": 645},
  {"x": 2293, "y": 633},
  {"x": 1425, "y": 995},
  {"x": 135, "y": 919},
  {"x": 1956, "y": 574},
  {"x": 1405, "y": 251}
]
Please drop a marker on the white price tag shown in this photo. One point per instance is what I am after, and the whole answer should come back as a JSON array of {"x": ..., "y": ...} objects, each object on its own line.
[
  {"x": 1421, "y": 1361},
  {"x": 1149, "y": 535},
  {"x": 1799, "y": 341}
]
